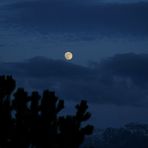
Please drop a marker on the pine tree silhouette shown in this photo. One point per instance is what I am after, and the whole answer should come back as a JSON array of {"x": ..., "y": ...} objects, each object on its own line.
[{"x": 36, "y": 123}]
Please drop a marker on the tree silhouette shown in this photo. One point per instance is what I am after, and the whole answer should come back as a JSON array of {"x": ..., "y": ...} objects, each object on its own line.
[
  {"x": 7, "y": 85},
  {"x": 32, "y": 121},
  {"x": 72, "y": 135}
]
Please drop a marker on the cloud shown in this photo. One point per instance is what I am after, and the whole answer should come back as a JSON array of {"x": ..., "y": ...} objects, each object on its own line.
[
  {"x": 119, "y": 80},
  {"x": 132, "y": 66},
  {"x": 125, "y": 1},
  {"x": 2, "y": 45},
  {"x": 78, "y": 17}
]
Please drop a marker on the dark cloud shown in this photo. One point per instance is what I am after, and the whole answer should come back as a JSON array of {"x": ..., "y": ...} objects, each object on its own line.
[
  {"x": 129, "y": 65},
  {"x": 120, "y": 80},
  {"x": 70, "y": 16},
  {"x": 2, "y": 45}
]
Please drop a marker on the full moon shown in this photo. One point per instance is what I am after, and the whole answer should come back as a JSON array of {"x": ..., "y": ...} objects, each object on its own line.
[{"x": 68, "y": 55}]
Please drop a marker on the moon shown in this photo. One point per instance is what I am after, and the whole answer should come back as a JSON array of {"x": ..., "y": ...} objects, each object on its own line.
[{"x": 68, "y": 55}]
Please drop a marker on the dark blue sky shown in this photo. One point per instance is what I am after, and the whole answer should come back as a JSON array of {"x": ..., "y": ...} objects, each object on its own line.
[
  {"x": 91, "y": 29},
  {"x": 109, "y": 40}
]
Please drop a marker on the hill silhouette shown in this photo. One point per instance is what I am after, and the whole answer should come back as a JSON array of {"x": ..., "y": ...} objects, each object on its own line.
[{"x": 32, "y": 121}]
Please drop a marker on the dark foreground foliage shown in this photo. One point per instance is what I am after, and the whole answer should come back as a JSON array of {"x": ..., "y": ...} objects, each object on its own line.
[{"x": 32, "y": 121}]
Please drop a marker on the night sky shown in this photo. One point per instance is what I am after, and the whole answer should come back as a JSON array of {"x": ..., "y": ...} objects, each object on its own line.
[{"x": 109, "y": 41}]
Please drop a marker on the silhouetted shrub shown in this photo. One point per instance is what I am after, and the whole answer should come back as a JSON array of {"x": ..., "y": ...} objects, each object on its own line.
[{"x": 36, "y": 122}]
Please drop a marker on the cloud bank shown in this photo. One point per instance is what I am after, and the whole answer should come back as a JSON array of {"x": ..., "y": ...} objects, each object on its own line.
[
  {"x": 120, "y": 80},
  {"x": 77, "y": 17}
]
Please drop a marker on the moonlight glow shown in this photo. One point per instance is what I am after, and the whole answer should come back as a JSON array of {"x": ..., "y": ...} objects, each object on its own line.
[{"x": 68, "y": 55}]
